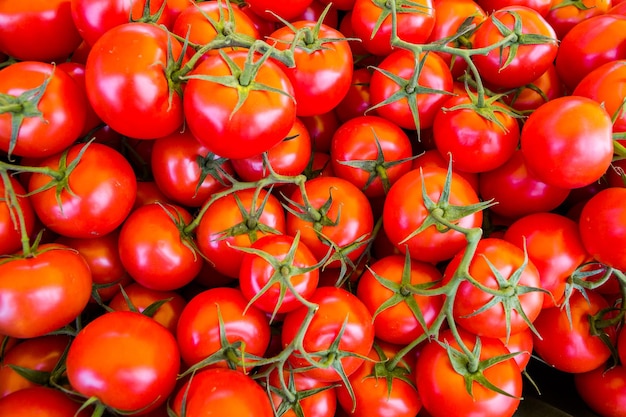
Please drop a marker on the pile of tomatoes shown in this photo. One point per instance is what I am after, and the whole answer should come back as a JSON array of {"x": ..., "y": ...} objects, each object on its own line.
[{"x": 310, "y": 208}]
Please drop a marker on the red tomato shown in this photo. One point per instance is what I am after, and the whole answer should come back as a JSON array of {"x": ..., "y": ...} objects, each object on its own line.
[
  {"x": 621, "y": 346},
  {"x": 323, "y": 67},
  {"x": 371, "y": 21},
  {"x": 275, "y": 11},
  {"x": 51, "y": 121},
  {"x": 371, "y": 153},
  {"x": 38, "y": 30},
  {"x": 564, "y": 15},
  {"x": 554, "y": 246},
  {"x": 221, "y": 392},
  {"x": 603, "y": 227},
  {"x": 432, "y": 157},
  {"x": 568, "y": 142},
  {"x": 237, "y": 220},
  {"x": 9, "y": 223},
  {"x": 530, "y": 96},
  {"x": 569, "y": 344},
  {"x": 522, "y": 344},
  {"x": 357, "y": 99},
  {"x": 126, "y": 360},
  {"x": 41, "y": 293},
  {"x": 428, "y": 95},
  {"x": 314, "y": 11},
  {"x": 499, "y": 266},
  {"x": 443, "y": 389},
  {"x": 126, "y": 82},
  {"x": 40, "y": 401},
  {"x": 77, "y": 72},
  {"x": 91, "y": 195},
  {"x": 385, "y": 281},
  {"x": 603, "y": 390},
  {"x": 227, "y": 127},
  {"x": 198, "y": 331},
  {"x": 321, "y": 128},
  {"x": 530, "y": 60},
  {"x": 541, "y": 6},
  {"x": 340, "y": 314},
  {"x": 155, "y": 251},
  {"x": 404, "y": 212}
]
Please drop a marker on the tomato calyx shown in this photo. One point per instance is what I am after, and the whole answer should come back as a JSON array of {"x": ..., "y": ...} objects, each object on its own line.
[
  {"x": 146, "y": 15},
  {"x": 23, "y": 106},
  {"x": 579, "y": 4},
  {"x": 211, "y": 165},
  {"x": 381, "y": 369},
  {"x": 390, "y": 8},
  {"x": 186, "y": 237}
]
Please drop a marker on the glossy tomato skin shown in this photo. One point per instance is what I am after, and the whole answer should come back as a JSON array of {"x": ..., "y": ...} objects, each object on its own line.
[
  {"x": 404, "y": 212},
  {"x": 101, "y": 192},
  {"x": 126, "y": 82},
  {"x": 530, "y": 61},
  {"x": 285, "y": 10},
  {"x": 27, "y": 309},
  {"x": 223, "y": 227},
  {"x": 221, "y": 392},
  {"x": 125, "y": 359},
  {"x": 432, "y": 157},
  {"x": 603, "y": 226},
  {"x": 603, "y": 390},
  {"x": 152, "y": 249},
  {"x": 434, "y": 75},
  {"x": 77, "y": 72},
  {"x": 320, "y": 78},
  {"x": 9, "y": 227},
  {"x": 570, "y": 346},
  {"x": 415, "y": 24},
  {"x": 443, "y": 390},
  {"x": 398, "y": 323},
  {"x": 563, "y": 16},
  {"x": 263, "y": 120},
  {"x": 567, "y": 142},
  {"x": 530, "y": 96},
  {"x": 198, "y": 327},
  {"x": 338, "y": 308},
  {"x": 24, "y": 25},
  {"x": 541, "y": 6},
  {"x": 40, "y": 401},
  {"x": 62, "y": 108}
]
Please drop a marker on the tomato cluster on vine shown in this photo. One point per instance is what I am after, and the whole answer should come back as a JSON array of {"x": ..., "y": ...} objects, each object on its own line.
[{"x": 310, "y": 208}]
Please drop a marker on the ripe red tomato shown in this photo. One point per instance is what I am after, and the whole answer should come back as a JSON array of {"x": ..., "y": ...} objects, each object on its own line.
[
  {"x": 529, "y": 97},
  {"x": 41, "y": 293},
  {"x": 9, "y": 225},
  {"x": 541, "y": 6},
  {"x": 155, "y": 251},
  {"x": 568, "y": 142},
  {"x": 227, "y": 127},
  {"x": 522, "y": 344},
  {"x": 57, "y": 119},
  {"x": 603, "y": 389},
  {"x": 126, "y": 360},
  {"x": 603, "y": 227},
  {"x": 340, "y": 314},
  {"x": 275, "y": 11},
  {"x": 77, "y": 72},
  {"x": 40, "y": 401},
  {"x": 564, "y": 15}
]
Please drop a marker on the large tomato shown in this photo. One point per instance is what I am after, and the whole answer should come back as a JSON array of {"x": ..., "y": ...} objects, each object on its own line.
[
  {"x": 126, "y": 360},
  {"x": 41, "y": 293},
  {"x": 564, "y": 15},
  {"x": 40, "y": 401},
  {"x": 603, "y": 389}
]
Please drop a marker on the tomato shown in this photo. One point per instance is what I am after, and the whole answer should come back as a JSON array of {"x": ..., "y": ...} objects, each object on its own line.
[
  {"x": 607, "y": 85},
  {"x": 554, "y": 246},
  {"x": 198, "y": 331},
  {"x": 371, "y": 22},
  {"x": 377, "y": 396},
  {"x": 275, "y": 11},
  {"x": 385, "y": 281},
  {"x": 221, "y": 392},
  {"x": 529, "y": 97},
  {"x": 314, "y": 11},
  {"x": 134, "y": 51},
  {"x": 569, "y": 345},
  {"x": 141, "y": 297},
  {"x": 432, "y": 157},
  {"x": 186, "y": 171},
  {"x": 340, "y": 4},
  {"x": 92, "y": 194},
  {"x": 41, "y": 402},
  {"x": 321, "y": 128},
  {"x": 58, "y": 116},
  {"x": 9, "y": 224},
  {"x": 541, "y": 6},
  {"x": 25, "y": 25},
  {"x": 499, "y": 266},
  {"x": 341, "y": 317},
  {"x": 102, "y": 256},
  {"x": 371, "y": 153},
  {"x": 77, "y": 72},
  {"x": 237, "y": 220},
  {"x": 603, "y": 390},
  {"x": 517, "y": 191},
  {"x": 428, "y": 95},
  {"x": 265, "y": 284},
  {"x": 227, "y": 127},
  {"x": 323, "y": 67},
  {"x": 39, "y": 355},
  {"x": 530, "y": 60},
  {"x": 404, "y": 212},
  {"x": 443, "y": 390},
  {"x": 155, "y": 251},
  {"x": 564, "y": 15},
  {"x": 289, "y": 157},
  {"x": 476, "y": 143},
  {"x": 591, "y": 43},
  {"x": 357, "y": 99},
  {"x": 602, "y": 227},
  {"x": 149, "y": 192},
  {"x": 126, "y": 360},
  {"x": 339, "y": 215},
  {"x": 44, "y": 292},
  {"x": 522, "y": 344},
  {"x": 567, "y": 142}
]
